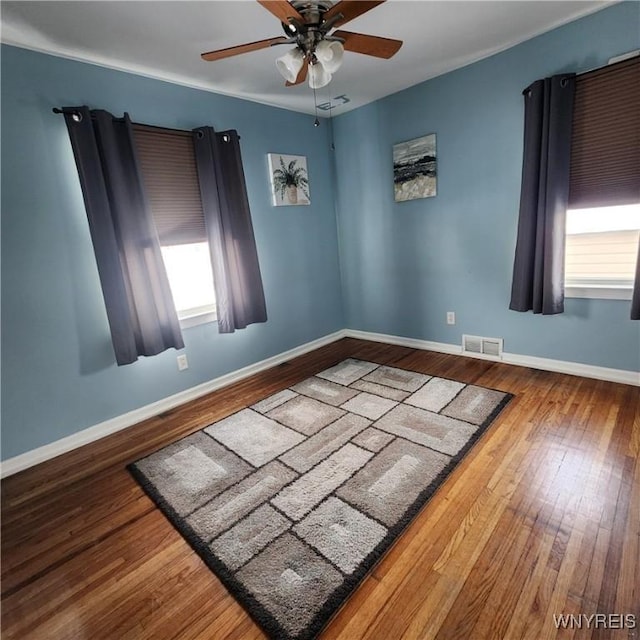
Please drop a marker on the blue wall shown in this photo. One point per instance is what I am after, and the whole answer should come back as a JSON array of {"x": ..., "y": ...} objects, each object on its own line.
[
  {"x": 405, "y": 265},
  {"x": 59, "y": 374},
  {"x": 401, "y": 266}
]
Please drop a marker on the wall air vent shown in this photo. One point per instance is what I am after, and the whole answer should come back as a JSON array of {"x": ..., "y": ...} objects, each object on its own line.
[{"x": 482, "y": 347}]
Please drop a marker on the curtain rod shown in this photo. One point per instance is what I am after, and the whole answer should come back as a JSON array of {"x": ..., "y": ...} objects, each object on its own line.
[
  {"x": 623, "y": 57},
  {"x": 151, "y": 126}
]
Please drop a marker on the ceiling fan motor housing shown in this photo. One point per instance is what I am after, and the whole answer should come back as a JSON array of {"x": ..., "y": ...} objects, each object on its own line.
[{"x": 309, "y": 33}]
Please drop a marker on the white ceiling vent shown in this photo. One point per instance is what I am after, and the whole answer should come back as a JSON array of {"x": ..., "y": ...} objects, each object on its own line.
[{"x": 482, "y": 347}]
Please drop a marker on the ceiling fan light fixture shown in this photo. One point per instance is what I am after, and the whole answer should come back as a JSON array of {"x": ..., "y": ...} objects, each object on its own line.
[
  {"x": 290, "y": 63},
  {"x": 329, "y": 54},
  {"x": 318, "y": 76}
]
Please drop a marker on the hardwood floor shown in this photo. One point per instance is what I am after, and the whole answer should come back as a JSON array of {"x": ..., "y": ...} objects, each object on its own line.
[{"x": 542, "y": 517}]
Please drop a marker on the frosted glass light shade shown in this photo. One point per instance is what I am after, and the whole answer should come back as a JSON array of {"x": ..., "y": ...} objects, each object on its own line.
[
  {"x": 318, "y": 76},
  {"x": 290, "y": 63},
  {"x": 329, "y": 54}
]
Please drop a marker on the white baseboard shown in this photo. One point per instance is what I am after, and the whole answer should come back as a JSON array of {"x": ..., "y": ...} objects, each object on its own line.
[
  {"x": 413, "y": 343},
  {"x": 574, "y": 368},
  {"x": 532, "y": 362},
  {"x": 91, "y": 434}
]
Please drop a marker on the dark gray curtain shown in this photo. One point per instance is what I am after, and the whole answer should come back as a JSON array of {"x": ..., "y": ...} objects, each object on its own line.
[
  {"x": 236, "y": 272},
  {"x": 538, "y": 268},
  {"x": 635, "y": 300},
  {"x": 140, "y": 308}
]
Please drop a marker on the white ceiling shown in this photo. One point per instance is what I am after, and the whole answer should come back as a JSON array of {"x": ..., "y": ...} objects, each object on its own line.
[{"x": 164, "y": 39}]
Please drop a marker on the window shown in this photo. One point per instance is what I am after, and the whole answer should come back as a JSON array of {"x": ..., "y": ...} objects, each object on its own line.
[
  {"x": 191, "y": 281},
  {"x": 601, "y": 251},
  {"x": 603, "y": 220},
  {"x": 168, "y": 166}
]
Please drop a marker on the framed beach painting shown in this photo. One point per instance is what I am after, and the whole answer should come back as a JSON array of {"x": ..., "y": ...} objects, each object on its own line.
[
  {"x": 289, "y": 180},
  {"x": 415, "y": 168}
]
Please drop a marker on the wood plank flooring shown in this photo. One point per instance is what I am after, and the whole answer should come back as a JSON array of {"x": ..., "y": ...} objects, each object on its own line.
[{"x": 542, "y": 517}]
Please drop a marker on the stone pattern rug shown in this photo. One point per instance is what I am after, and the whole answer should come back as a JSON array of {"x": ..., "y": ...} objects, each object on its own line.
[{"x": 293, "y": 500}]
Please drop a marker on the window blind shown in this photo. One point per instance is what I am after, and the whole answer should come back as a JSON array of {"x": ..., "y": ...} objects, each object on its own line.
[
  {"x": 605, "y": 146},
  {"x": 168, "y": 165},
  {"x": 601, "y": 258}
]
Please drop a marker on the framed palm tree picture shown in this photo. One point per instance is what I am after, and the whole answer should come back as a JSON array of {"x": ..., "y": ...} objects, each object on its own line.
[{"x": 289, "y": 180}]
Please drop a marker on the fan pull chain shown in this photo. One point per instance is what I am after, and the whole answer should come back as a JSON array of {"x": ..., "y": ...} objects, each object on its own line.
[
  {"x": 333, "y": 146},
  {"x": 316, "y": 122}
]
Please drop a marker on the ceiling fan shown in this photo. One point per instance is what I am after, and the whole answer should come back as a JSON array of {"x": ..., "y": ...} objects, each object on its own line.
[{"x": 318, "y": 51}]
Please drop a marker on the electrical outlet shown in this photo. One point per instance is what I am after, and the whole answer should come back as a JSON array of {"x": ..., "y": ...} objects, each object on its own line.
[
  {"x": 451, "y": 317},
  {"x": 183, "y": 363}
]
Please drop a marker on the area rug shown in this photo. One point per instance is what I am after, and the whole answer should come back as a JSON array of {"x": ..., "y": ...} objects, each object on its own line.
[{"x": 293, "y": 500}]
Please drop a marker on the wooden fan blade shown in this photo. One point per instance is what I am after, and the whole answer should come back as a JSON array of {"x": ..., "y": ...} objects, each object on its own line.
[
  {"x": 350, "y": 9},
  {"x": 242, "y": 48},
  {"x": 302, "y": 76},
  {"x": 369, "y": 45},
  {"x": 282, "y": 10}
]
